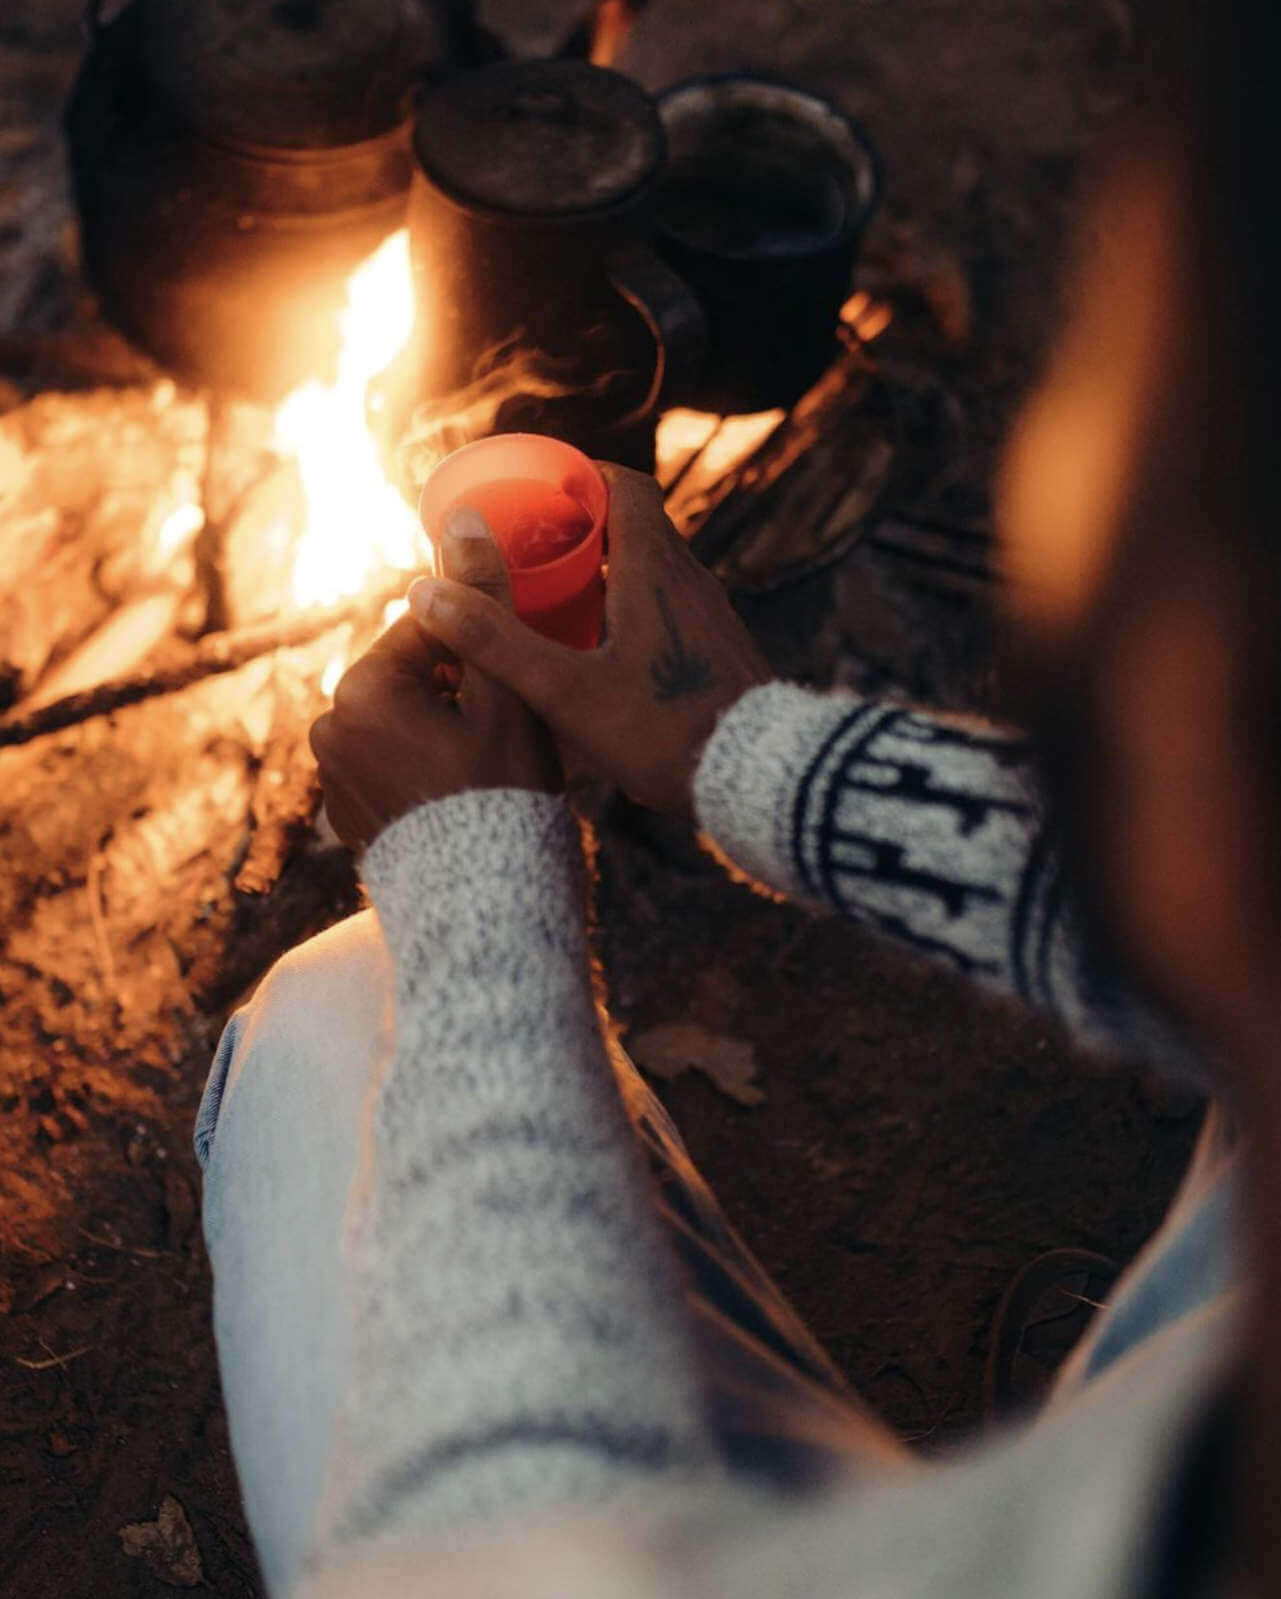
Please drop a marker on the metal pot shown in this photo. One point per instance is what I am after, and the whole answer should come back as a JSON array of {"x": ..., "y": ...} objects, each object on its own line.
[
  {"x": 233, "y": 161},
  {"x": 530, "y": 215},
  {"x": 767, "y": 194}
]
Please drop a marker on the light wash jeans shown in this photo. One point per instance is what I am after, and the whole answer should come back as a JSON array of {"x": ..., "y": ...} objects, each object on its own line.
[{"x": 278, "y": 1137}]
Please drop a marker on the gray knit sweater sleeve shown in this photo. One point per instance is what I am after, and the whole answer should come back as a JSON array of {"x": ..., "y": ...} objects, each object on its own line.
[
  {"x": 928, "y": 827},
  {"x": 518, "y": 1338}
]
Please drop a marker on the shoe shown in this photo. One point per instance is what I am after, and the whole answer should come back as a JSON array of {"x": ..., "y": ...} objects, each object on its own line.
[{"x": 1045, "y": 1311}]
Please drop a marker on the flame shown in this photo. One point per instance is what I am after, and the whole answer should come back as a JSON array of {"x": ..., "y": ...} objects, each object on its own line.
[
  {"x": 867, "y": 317},
  {"x": 178, "y": 529},
  {"x": 682, "y": 433},
  {"x": 709, "y": 445},
  {"x": 736, "y": 438},
  {"x": 335, "y": 666},
  {"x": 356, "y": 523}
]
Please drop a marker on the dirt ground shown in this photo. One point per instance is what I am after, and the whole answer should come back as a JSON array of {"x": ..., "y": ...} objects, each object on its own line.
[{"x": 910, "y": 1144}]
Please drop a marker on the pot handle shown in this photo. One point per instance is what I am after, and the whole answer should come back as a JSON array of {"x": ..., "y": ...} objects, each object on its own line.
[{"x": 674, "y": 318}]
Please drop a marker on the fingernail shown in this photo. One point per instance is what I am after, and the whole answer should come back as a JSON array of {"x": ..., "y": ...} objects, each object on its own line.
[
  {"x": 428, "y": 600},
  {"x": 464, "y": 525}
]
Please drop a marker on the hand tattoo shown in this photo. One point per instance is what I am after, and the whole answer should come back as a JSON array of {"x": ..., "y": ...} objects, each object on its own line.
[{"x": 676, "y": 671}]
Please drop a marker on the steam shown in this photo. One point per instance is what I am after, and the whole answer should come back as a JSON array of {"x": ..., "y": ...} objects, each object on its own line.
[{"x": 510, "y": 371}]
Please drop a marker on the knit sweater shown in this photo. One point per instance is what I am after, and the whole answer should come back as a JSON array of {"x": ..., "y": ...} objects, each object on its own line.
[
  {"x": 512, "y": 1283},
  {"x": 520, "y": 1348},
  {"x": 933, "y": 829}
]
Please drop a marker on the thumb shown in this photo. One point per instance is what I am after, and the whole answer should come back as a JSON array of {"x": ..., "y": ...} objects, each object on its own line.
[
  {"x": 469, "y": 554},
  {"x": 487, "y": 636}
]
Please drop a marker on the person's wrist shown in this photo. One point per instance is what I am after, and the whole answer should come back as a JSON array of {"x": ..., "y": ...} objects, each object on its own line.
[
  {"x": 686, "y": 805},
  {"x": 429, "y": 862}
]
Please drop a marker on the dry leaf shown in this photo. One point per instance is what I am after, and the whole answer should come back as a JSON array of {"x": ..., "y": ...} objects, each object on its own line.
[
  {"x": 166, "y": 1546},
  {"x": 679, "y": 1047}
]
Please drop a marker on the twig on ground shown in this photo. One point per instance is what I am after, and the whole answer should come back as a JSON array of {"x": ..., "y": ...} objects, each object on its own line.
[
  {"x": 118, "y": 1248},
  {"x": 53, "y": 1360},
  {"x": 98, "y": 922}
]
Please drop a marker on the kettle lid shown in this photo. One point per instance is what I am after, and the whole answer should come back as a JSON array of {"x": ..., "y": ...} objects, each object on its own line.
[
  {"x": 293, "y": 74},
  {"x": 539, "y": 138}
]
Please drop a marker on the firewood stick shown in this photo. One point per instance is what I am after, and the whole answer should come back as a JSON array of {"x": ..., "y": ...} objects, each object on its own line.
[{"x": 211, "y": 656}]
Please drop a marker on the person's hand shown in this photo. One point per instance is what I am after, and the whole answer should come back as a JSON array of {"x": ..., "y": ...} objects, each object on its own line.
[
  {"x": 399, "y": 736},
  {"x": 640, "y": 708}
]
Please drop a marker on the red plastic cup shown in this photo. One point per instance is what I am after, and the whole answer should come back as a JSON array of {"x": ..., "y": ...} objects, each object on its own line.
[{"x": 545, "y": 503}]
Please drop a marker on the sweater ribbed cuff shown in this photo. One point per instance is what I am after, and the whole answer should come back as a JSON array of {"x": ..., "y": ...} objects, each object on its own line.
[
  {"x": 483, "y": 867},
  {"x": 752, "y": 790}
]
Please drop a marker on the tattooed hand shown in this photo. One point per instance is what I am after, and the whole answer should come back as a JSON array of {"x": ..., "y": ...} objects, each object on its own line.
[{"x": 639, "y": 709}]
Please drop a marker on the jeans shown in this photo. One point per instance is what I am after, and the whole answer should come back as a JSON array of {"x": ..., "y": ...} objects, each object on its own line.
[{"x": 278, "y": 1136}]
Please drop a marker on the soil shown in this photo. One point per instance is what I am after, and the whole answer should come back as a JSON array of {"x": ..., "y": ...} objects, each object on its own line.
[{"x": 908, "y": 1144}]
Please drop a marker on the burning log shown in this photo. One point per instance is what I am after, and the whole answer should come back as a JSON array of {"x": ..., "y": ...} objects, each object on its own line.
[
  {"x": 769, "y": 498},
  {"x": 99, "y": 498},
  {"x": 210, "y": 657}
]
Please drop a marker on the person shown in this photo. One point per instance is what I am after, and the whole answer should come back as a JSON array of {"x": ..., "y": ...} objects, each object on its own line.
[{"x": 482, "y": 1328}]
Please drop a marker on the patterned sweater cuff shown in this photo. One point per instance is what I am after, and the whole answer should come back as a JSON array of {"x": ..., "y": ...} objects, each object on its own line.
[{"x": 752, "y": 789}]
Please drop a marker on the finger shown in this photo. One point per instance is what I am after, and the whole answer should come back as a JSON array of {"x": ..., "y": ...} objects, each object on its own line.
[
  {"x": 484, "y": 635},
  {"x": 410, "y": 650},
  {"x": 386, "y": 685},
  {"x": 640, "y": 535},
  {"x": 637, "y": 519},
  {"x": 470, "y": 554}
]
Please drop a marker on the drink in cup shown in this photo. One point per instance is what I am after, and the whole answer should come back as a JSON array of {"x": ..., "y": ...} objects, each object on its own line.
[{"x": 545, "y": 503}]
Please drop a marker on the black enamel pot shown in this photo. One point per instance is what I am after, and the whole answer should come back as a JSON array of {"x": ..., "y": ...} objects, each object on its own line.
[
  {"x": 233, "y": 163},
  {"x": 767, "y": 194},
  {"x": 531, "y": 219}
]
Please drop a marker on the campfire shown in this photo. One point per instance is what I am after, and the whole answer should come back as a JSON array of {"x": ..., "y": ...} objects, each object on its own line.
[
  {"x": 320, "y": 536},
  {"x": 220, "y": 564},
  {"x": 187, "y": 574},
  {"x": 289, "y": 522}
]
